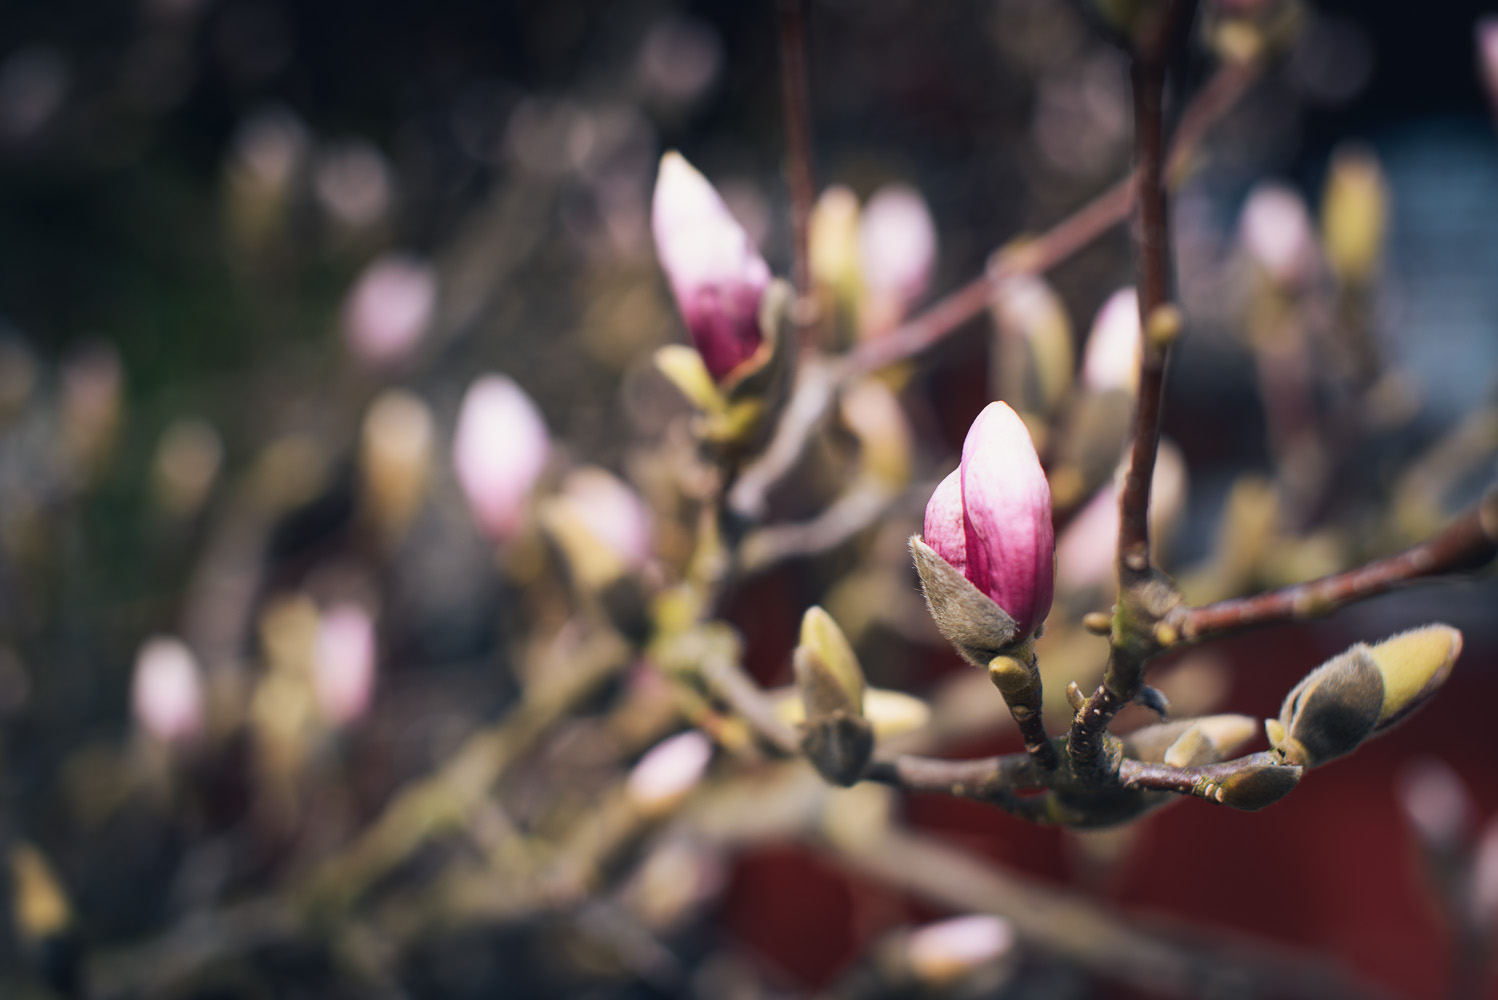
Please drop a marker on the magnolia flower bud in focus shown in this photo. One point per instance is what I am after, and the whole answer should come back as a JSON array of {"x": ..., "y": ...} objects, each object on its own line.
[
  {"x": 897, "y": 251},
  {"x": 1362, "y": 692},
  {"x": 716, "y": 274},
  {"x": 343, "y": 664},
  {"x": 389, "y": 309},
  {"x": 499, "y": 451},
  {"x": 1111, "y": 358},
  {"x": 837, "y": 739},
  {"x": 987, "y": 562},
  {"x": 167, "y": 693}
]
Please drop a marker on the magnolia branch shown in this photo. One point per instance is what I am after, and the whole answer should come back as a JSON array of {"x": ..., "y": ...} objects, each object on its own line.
[
  {"x": 796, "y": 100},
  {"x": 1059, "y": 243},
  {"x": 1469, "y": 541},
  {"x": 1142, "y": 595}
]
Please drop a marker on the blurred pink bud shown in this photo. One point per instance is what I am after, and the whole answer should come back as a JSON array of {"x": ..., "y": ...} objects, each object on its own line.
[
  {"x": 1086, "y": 549},
  {"x": 1487, "y": 56},
  {"x": 613, "y": 513},
  {"x": 950, "y": 948},
  {"x": 897, "y": 245},
  {"x": 716, "y": 274},
  {"x": 389, "y": 309},
  {"x": 343, "y": 673},
  {"x": 499, "y": 450},
  {"x": 1276, "y": 231},
  {"x": 669, "y": 770},
  {"x": 167, "y": 695},
  {"x": 1111, "y": 360},
  {"x": 1435, "y": 802},
  {"x": 1484, "y": 882},
  {"x": 991, "y": 518}
]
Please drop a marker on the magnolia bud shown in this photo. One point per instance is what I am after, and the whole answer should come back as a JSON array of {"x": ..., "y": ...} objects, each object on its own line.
[
  {"x": 942, "y": 951},
  {"x": 1436, "y": 804},
  {"x": 395, "y": 457},
  {"x": 668, "y": 771},
  {"x": 716, "y": 274},
  {"x": 1034, "y": 362},
  {"x": 990, "y": 522},
  {"x": 499, "y": 450},
  {"x": 832, "y": 245},
  {"x": 167, "y": 695},
  {"x": 1111, "y": 358},
  {"x": 1360, "y": 692},
  {"x": 897, "y": 250},
  {"x": 389, "y": 309},
  {"x": 1487, "y": 56},
  {"x": 837, "y": 739},
  {"x": 1354, "y": 213},
  {"x": 602, "y": 526},
  {"x": 343, "y": 665},
  {"x": 1275, "y": 229}
]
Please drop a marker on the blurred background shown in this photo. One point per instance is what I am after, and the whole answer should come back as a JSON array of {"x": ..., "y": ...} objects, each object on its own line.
[{"x": 230, "y": 230}]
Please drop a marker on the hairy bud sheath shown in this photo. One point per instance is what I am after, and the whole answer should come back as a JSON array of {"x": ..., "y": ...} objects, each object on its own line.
[
  {"x": 716, "y": 274},
  {"x": 990, "y": 522}
]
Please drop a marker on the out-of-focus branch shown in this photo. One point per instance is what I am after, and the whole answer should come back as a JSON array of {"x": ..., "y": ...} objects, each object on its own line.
[
  {"x": 1066, "y": 238},
  {"x": 1146, "y": 954},
  {"x": 1142, "y": 596},
  {"x": 1469, "y": 541},
  {"x": 796, "y": 99}
]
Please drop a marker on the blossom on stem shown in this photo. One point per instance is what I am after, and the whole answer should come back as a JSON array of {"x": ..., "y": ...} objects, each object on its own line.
[
  {"x": 499, "y": 451},
  {"x": 716, "y": 274},
  {"x": 991, "y": 518}
]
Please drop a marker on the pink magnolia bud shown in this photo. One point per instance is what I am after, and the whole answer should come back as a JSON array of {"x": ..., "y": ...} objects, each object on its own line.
[
  {"x": 716, "y": 274},
  {"x": 1111, "y": 358},
  {"x": 499, "y": 451},
  {"x": 613, "y": 513},
  {"x": 389, "y": 309},
  {"x": 1487, "y": 56},
  {"x": 343, "y": 673},
  {"x": 991, "y": 518},
  {"x": 167, "y": 693},
  {"x": 897, "y": 246},
  {"x": 1276, "y": 231}
]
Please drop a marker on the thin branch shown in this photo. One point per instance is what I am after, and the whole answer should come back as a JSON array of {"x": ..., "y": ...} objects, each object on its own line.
[
  {"x": 981, "y": 779},
  {"x": 1152, "y": 261},
  {"x": 1062, "y": 241},
  {"x": 1471, "y": 540},
  {"x": 1147, "y": 953},
  {"x": 728, "y": 681},
  {"x": 1142, "y": 596},
  {"x": 795, "y": 95}
]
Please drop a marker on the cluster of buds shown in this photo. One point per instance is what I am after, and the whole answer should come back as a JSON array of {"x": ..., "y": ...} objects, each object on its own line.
[
  {"x": 735, "y": 314},
  {"x": 987, "y": 561}
]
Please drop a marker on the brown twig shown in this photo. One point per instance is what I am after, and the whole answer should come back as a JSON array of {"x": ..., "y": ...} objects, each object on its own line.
[
  {"x": 1062, "y": 241},
  {"x": 795, "y": 95},
  {"x": 1470, "y": 540},
  {"x": 1164, "y": 960},
  {"x": 1143, "y": 597}
]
